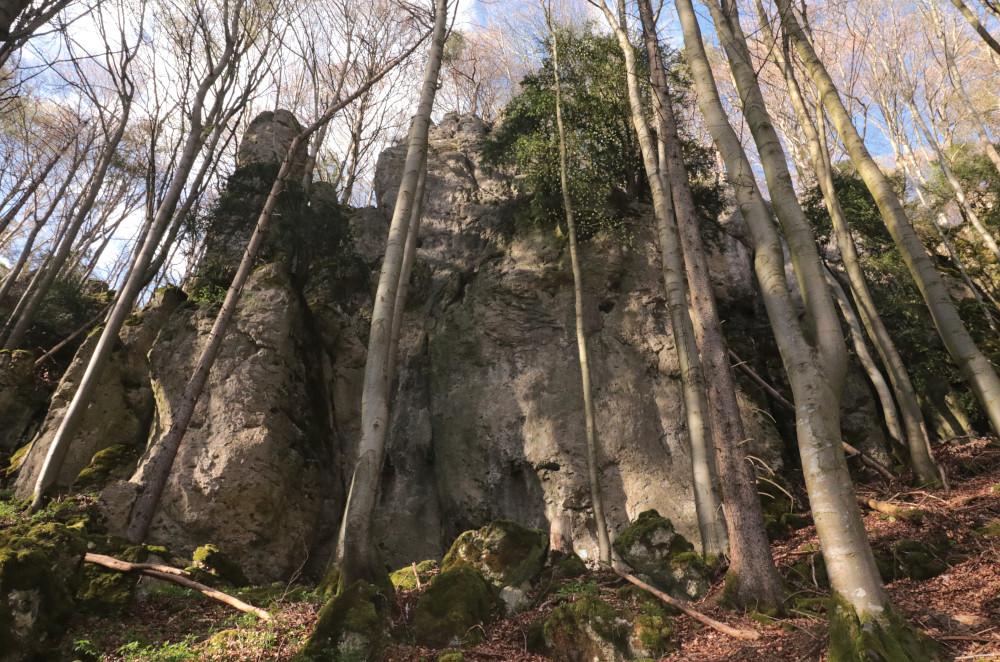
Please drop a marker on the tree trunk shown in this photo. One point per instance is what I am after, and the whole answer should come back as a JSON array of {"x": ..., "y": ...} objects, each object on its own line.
[
  {"x": 976, "y": 25},
  {"x": 976, "y": 367},
  {"x": 925, "y": 470},
  {"x": 672, "y": 264},
  {"x": 593, "y": 454},
  {"x": 851, "y": 565},
  {"x": 754, "y": 577},
  {"x": 356, "y": 556}
]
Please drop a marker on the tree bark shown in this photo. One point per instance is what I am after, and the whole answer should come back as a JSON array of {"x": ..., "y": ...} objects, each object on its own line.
[
  {"x": 851, "y": 565},
  {"x": 918, "y": 443},
  {"x": 672, "y": 265}
]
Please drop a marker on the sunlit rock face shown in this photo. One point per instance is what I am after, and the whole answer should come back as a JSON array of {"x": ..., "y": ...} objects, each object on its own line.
[{"x": 486, "y": 419}]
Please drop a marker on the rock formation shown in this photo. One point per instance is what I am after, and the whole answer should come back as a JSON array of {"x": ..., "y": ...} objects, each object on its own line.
[{"x": 486, "y": 422}]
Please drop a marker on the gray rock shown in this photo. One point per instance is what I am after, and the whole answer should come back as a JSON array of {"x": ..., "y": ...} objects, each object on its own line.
[
  {"x": 21, "y": 396},
  {"x": 652, "y": 547},
  {"x": 515, "y": 599}
]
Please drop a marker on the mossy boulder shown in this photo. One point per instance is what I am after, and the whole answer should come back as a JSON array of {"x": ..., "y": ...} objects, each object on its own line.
[
  {"x": 404, "y": 579},
  {"x": 452, "y": 610},
  {"x": 107, "y": 466},
  {"x": 569, "y": 567},
  {"x": 104, "y": 591},
  {"x": 505, "y": 552},
  {"x": 40, "y": 569},
  {"x": 593, "y": 629},
  {"x": 652, "y": 547},
  {"x": 210, "y": 559},
  {"x": 354, "y": 625},
  {"x": 451, "y": 656}
]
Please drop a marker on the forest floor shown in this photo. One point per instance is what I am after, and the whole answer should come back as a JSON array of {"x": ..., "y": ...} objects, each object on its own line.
[{"x": 959, "y": 607}]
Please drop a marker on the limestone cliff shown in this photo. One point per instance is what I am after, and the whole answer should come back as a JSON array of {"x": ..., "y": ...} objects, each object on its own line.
[{"x": 486, "y": 418}]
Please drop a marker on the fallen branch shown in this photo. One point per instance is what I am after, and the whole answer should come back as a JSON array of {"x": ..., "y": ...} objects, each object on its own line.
[
  {"x": 416, "y": 574},
  {"x": 900, "y": 511},
  {"x": 696, "y": 615},
  {"x": 869, "y": 462},
  {"x": 176, "y": 576}
]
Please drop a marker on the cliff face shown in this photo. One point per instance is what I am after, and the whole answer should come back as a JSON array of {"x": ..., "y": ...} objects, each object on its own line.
[{"x": 487, "y": 420}]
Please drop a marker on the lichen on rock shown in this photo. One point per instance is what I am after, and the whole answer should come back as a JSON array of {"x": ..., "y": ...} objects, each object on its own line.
[{"x": 505, "y": 552}]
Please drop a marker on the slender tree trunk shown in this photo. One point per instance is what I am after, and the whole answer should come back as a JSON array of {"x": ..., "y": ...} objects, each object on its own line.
[
  {"x": 135, "y": 281},
  {"x": 155, "y": 472},
  {"x": 753, "y": 576},
  {"x": 976, "y": 25},
  {"x": 918, "y": 443},
  {"x": 593, "y": 454},
  {"x": 955, "y": 78},
  {"x": 11, "y": 212},
  {"x": 27, "y": 315},
  {"x": 867, "y": 362},
  {"x": 153, "y": 475},
  {"x": 672, "y": 263},
  {"x": 356, "y": 554},
  {"x": 854, "y": 576},
  {"x": 975, "y": 366}
]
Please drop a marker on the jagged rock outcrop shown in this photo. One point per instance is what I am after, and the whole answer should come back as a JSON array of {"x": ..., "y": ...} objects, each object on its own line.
[
  {"x": 20, "y": 396},
  {"x": 122, "y": 406},
  {"x": 486, "y": 421}
]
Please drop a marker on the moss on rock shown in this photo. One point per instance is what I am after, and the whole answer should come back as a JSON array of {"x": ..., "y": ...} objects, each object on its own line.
[
  {"x": 354, "y": 625},
  {"x": 569, "y": 566},
  {"x": 585, "y": 630},
  {"x": 652, "y": 547},
  {"x": 40, "y": 568},
  {"x": 507, "y": 553},
  {"x": 455, "y": 604},
  {"x": 104, "y": 591},
  {"x": 404, "y": 579},
  {"x": 111, "y": 464},
  {"x": 212, "y": 560}
]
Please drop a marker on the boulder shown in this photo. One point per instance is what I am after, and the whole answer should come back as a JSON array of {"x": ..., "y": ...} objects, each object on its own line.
[
  {"x": 505, "y": 552},
  {"x": 40, "y": 569},
  {"x": 354, "y": 625},
  {"x": 592, "y": 628},
  {"x": 456, "y": 601},
  {"x": 652, "y": 547},
  {"x": 21, "y": 395}
]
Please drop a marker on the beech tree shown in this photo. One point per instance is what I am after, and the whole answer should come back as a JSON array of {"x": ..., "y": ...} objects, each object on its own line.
[
  {"x": 356, "y": 555},
  {"x": 812, "y": 349},
  {"x": 593, "y": 447}
]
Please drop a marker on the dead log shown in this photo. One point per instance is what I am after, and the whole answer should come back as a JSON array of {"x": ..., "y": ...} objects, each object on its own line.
[
  {"x": 899, "y": 511},
  {"x": 176, "y": 576},
  {"x": 696, "y": 615}
]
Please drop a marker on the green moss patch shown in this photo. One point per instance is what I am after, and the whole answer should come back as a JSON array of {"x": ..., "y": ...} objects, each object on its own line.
[
  {"x": 889, "y": 638},
  {"x": 453, "y": 609},
  {"x": 210, "y": 559},
  {"x": 40, "y": 569},
  {"x": 354, "y": 625},
  {"x": 507, "y": 553},
  {"x": 105, "y": 591},
  {"x": 107, "y": 466},
  {"x": 404, "y": 579},
  {"x": 569, "y": 567}
]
